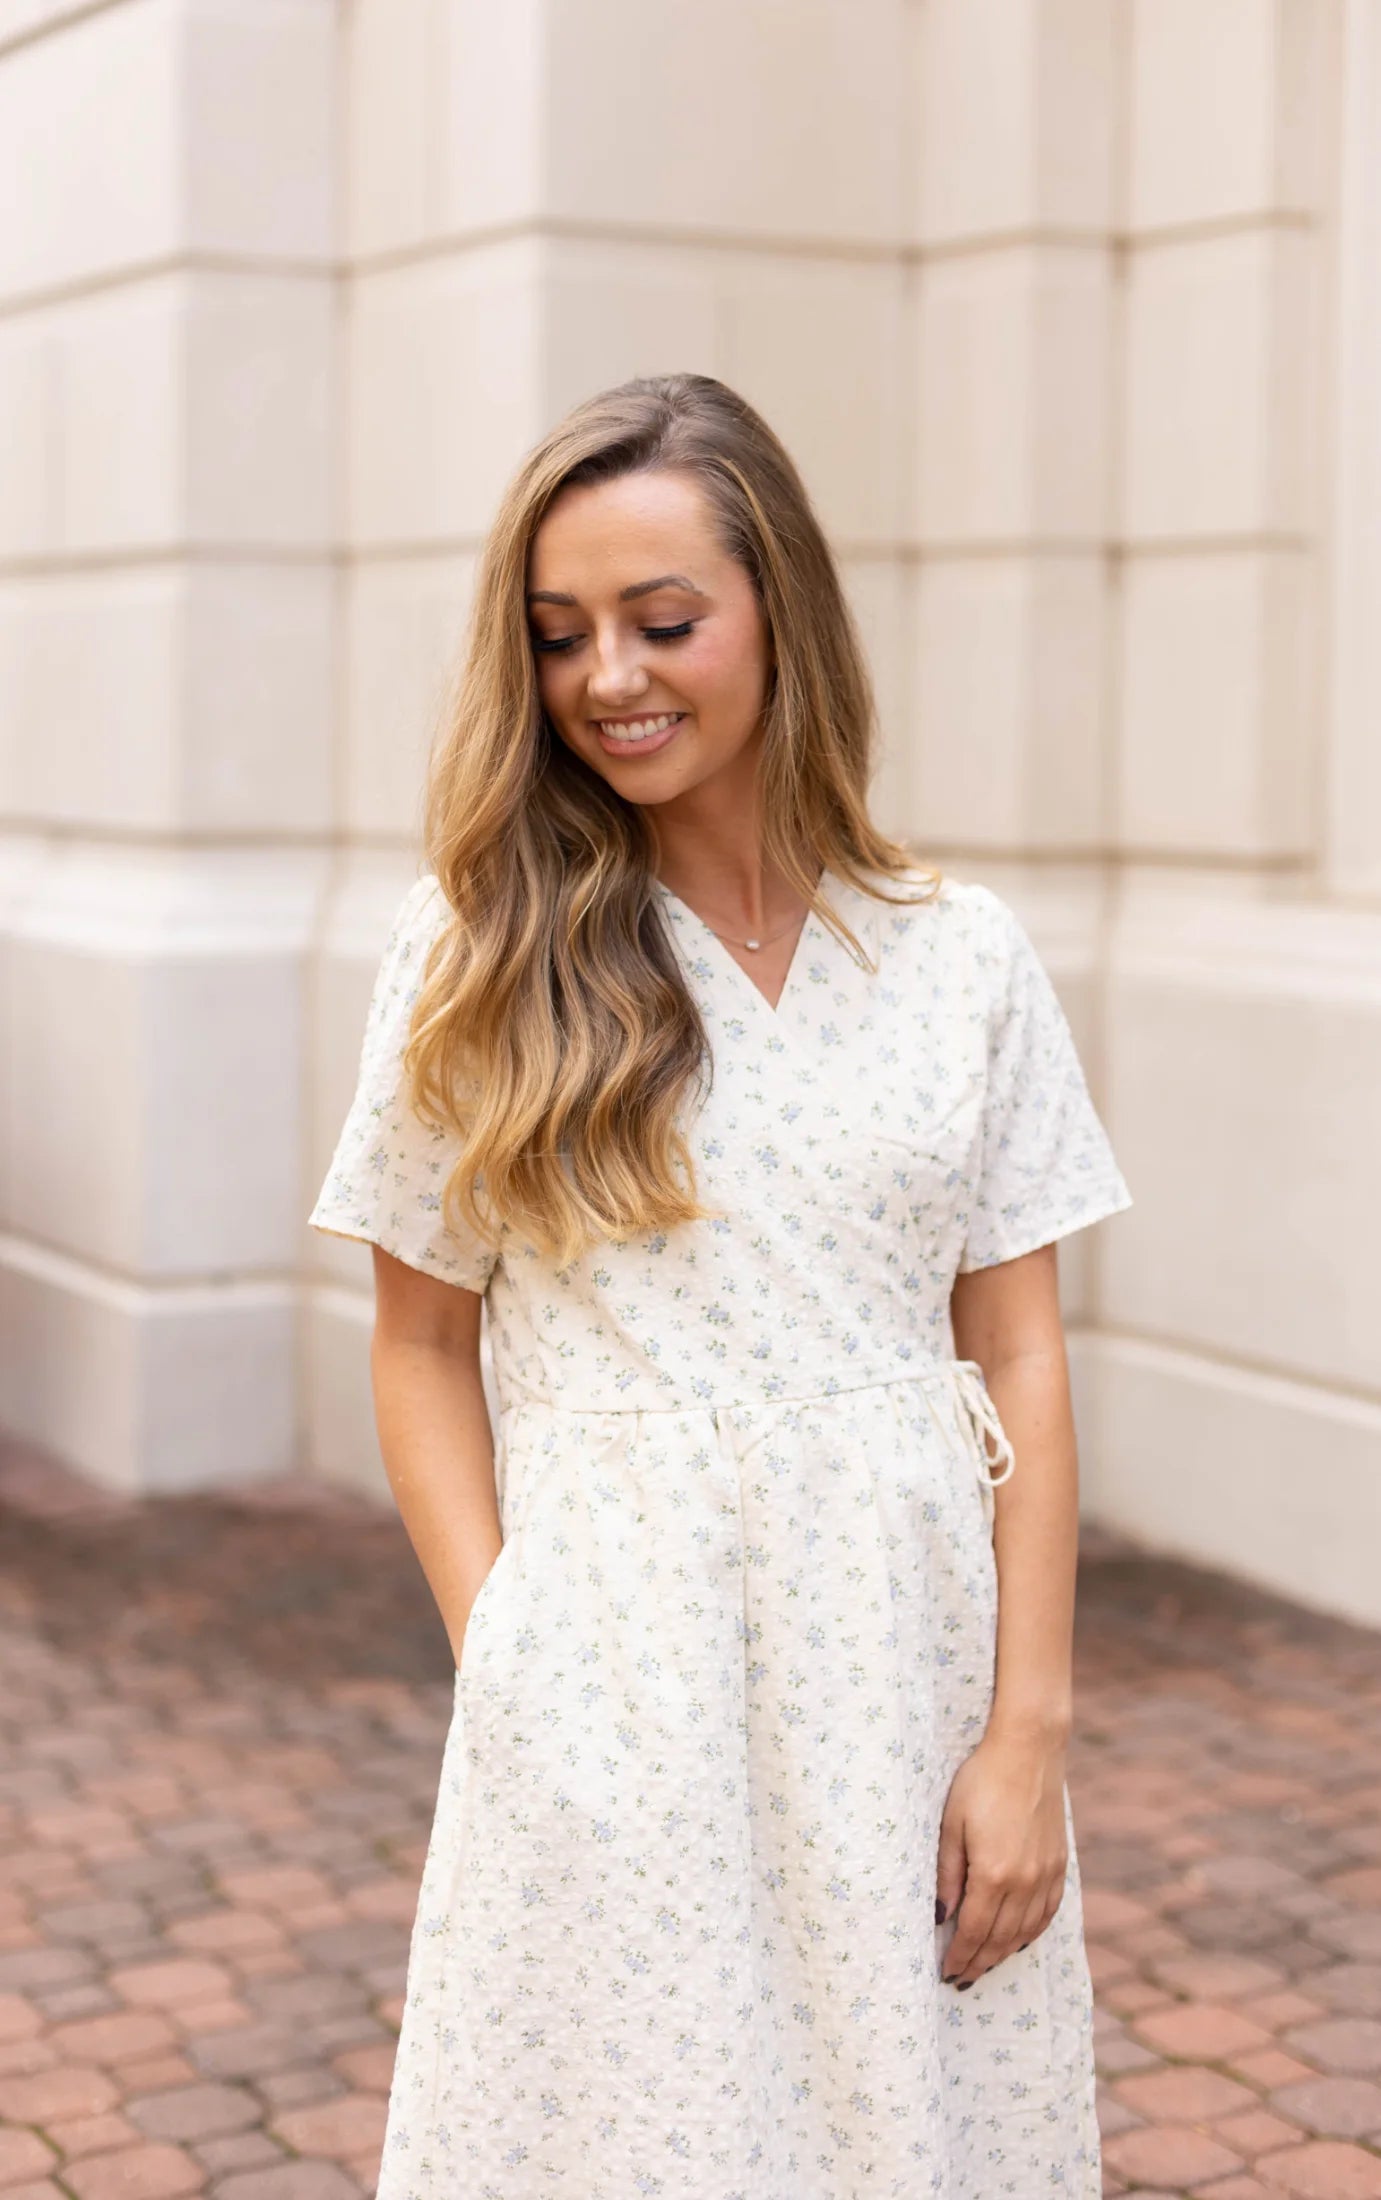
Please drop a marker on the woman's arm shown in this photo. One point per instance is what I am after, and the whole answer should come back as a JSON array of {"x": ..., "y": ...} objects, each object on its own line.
[
  {"x": 1008, "y": 1319},
  {"x": 434, "y": 1431},
  {"x": 1003, "y": 1843}
]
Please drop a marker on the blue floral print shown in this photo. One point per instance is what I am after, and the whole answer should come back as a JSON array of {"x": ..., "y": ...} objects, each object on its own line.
[{"x": 676, "y": 1930}]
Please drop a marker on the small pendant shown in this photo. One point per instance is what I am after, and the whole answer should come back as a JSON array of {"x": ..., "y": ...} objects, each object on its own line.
[{"x": 752, "y": 943}]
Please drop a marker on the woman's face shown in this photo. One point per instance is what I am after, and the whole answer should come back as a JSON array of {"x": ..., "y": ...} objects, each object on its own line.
[{"x": 652, "y": 655}]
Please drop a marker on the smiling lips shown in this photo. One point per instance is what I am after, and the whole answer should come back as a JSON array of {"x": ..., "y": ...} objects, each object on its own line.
[{"x": 633, "y": 732}]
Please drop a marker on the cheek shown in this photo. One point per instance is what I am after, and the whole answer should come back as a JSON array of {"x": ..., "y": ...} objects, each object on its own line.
[
  {"x": 554, "y": 684},
  {"x": 725, "y": 672}
]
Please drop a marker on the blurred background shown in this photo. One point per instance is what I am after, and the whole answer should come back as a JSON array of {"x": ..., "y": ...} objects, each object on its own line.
[{"x": 1070, "y": 311}]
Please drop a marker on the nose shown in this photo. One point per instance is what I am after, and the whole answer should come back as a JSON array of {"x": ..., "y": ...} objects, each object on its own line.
[{"x": 618, "y": 676}]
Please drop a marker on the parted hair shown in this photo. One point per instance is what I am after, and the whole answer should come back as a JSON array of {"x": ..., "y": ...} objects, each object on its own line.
[{"x": 554, "y": 1032}]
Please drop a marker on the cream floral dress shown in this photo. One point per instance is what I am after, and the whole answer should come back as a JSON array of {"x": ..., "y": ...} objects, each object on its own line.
[{"x": 676, "y": 1934}]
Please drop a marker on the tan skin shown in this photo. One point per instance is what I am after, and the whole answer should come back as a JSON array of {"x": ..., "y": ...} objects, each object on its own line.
[{"x": 1003, "y": 1848}]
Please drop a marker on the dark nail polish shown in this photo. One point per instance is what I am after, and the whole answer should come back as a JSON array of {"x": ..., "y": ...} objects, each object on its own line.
[
  {"x": 966, "y": 1985},
  {"x": 941, "y": 1913}
]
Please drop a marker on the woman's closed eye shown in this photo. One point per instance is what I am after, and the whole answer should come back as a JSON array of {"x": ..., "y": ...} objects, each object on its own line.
[{"x": 548, "y": 643}]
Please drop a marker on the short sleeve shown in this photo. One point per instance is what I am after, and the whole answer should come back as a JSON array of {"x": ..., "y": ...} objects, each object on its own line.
[
  {"x": 1046, "y": 1167},
  {"x": 389, "y": 1171}
]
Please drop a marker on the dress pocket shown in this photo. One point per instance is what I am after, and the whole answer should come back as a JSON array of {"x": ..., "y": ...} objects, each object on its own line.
[{"x": 482, "y": 1607}]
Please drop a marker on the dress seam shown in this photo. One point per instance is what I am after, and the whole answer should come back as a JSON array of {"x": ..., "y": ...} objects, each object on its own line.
[{"x": 940, "y": 1370}]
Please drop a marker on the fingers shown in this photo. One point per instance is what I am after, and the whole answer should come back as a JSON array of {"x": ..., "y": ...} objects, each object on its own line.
[
  {"x": 1038, "y": 1916},
  {"x": 972, "y": 1926},
  {"x": 996, "y": 1920},
  {"x": 1004, "y": 1938},
  {"x": 984, "y": 1934},
  {"x": 949, "y": 1874}
]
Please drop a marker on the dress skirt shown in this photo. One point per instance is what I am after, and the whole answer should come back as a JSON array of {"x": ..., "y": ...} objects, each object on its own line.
[{"x": 677, "y": 1933}]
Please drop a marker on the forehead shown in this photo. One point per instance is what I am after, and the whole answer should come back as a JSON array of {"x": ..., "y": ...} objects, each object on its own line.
[{"x": 655, "y": 523}]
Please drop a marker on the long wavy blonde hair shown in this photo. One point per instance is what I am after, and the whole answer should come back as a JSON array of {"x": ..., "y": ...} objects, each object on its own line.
[{"x": 554, "y": 1032}]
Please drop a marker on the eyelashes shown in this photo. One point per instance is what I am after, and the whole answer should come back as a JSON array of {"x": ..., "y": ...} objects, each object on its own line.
[{"x": 548, "y": 648}]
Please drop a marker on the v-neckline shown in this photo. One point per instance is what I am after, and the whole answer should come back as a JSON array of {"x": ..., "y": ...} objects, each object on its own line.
[{"x": 793, "y": 968}]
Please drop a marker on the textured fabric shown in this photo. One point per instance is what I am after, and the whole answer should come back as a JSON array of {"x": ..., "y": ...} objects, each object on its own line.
[{"x": 676, "y": 1932}]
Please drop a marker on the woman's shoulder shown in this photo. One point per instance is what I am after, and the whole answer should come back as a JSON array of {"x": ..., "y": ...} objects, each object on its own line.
[
  {"x": 925, "y": 902},
  {"x": 421, "y": 912},
  {"x": 415, "y": 923},
  {"x": 944, "y": 933}
]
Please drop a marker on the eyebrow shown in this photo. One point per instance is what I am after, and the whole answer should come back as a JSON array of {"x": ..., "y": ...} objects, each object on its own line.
[{"x": 626, "y": 595}]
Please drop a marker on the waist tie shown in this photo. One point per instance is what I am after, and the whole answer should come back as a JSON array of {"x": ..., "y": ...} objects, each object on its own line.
[{"x": 980, "y": 1421}]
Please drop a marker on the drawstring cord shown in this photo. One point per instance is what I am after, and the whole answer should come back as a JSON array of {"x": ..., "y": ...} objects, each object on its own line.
[{"x": 981, "y": 1421}]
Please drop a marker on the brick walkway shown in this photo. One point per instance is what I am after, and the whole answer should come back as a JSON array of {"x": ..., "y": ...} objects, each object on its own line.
[{"x": 219, "y": 1737}]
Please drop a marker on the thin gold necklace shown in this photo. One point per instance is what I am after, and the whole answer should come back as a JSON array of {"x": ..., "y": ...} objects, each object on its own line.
[
  {"x": 756, "y": 943},
  {"x": 728, "y": 937}
]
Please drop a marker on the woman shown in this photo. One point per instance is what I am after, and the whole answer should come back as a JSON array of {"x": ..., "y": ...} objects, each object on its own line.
[{"x": 752, "y": 1874}]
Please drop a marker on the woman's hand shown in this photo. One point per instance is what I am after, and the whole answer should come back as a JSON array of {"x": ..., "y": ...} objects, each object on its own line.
[{"x": 1003, "y": 1852}]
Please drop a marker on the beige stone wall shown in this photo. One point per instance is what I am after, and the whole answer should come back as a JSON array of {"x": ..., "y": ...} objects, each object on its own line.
[
  {"x": 1238, "y": 1380},
  {"x": 169, "y": 635},
  {"x": 1070, "y": 309}
]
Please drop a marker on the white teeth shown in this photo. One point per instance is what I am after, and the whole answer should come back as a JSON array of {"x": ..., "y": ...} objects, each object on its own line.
[{"x": 642, "y": 729}]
